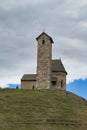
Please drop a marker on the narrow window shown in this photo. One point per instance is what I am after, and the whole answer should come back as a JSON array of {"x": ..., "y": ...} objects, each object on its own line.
[
  {"x": 53, "y": 83},
  {"x": 61, "y": 83},
  {"x": 43, "y": 41}
]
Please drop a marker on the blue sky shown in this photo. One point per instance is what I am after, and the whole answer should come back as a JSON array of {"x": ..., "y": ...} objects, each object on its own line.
[
  {"x": 78, "y": 87},
  {"x": 21, "y": 21}
]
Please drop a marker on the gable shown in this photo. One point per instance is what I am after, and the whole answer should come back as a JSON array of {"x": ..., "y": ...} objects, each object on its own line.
[{"x": 42, "y": 34}]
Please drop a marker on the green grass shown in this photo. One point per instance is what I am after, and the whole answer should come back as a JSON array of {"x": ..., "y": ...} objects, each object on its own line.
[{"x": 41, "y": 110}]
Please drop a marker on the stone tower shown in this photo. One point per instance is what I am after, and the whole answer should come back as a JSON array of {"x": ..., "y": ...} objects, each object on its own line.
[{"x": 44, "y": 61}]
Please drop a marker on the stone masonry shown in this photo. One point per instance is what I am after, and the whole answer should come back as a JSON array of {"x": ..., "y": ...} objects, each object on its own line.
[
  {"x": 44, "y": 62},
  {"x": 51, "y": 74}
]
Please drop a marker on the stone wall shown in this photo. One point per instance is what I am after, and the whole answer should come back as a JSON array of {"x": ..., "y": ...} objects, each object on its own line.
[
  {"x": 61, "y": 80},
  {"x": 44, "y": 61},
  {"x": 28, "y": 84}
]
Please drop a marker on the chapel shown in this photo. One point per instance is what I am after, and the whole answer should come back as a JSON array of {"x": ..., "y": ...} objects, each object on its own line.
[{"x": 51, "y": 73}]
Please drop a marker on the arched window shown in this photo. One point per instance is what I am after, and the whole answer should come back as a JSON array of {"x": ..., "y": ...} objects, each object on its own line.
[{"x": 43, "y": 41}]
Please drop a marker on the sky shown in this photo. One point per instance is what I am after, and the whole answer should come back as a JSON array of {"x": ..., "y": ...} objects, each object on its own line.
[
  {"x": 21, "y": 21},
  {"x": 78, "y": 87}
]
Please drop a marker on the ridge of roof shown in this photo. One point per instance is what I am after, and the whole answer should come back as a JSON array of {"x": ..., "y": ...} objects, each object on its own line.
[{"x": 46, "y": 35}]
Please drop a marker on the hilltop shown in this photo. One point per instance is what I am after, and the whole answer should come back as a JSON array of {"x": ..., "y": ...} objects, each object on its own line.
[{"x": 41, "y": 110}]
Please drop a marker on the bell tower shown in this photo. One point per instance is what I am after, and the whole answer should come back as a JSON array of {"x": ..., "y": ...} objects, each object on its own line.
[{"x": 44, "y": 61}]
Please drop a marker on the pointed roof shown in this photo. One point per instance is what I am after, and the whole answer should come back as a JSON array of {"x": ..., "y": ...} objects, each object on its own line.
[
  {"x": 57, "y": 66},
  {"x": 46, "y": 35}
]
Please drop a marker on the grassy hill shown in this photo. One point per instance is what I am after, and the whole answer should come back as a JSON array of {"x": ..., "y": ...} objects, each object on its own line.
[{"x": 41, "y": 110}]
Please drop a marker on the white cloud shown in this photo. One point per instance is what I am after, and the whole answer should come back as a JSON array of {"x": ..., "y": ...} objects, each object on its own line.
[
  {"x": 12, "y": 4},
  {"x": 75, "y": 69},
  {"x": 21, "y": 21}
]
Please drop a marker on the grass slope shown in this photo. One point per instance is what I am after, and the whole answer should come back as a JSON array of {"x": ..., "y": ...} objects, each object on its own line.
[{"x": 41, "y": 110}]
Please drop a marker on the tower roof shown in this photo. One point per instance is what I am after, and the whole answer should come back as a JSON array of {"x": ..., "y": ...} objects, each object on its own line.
[
  {"x": 46, "y": 35},
  {"x": 57, "y": 66}
]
